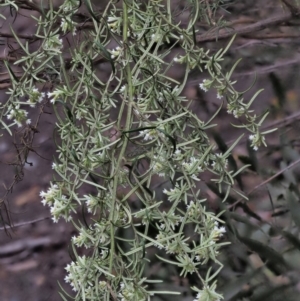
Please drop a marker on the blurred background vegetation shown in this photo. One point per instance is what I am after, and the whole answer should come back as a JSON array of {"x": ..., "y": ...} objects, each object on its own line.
[{"x": 262, "y": 261}]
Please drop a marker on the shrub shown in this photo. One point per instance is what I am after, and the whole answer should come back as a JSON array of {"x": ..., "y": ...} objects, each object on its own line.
[{"x": 131, "y": 140}]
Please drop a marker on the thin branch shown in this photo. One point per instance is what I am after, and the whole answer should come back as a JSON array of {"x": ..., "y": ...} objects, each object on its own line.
[
  {"x": 295, "y": 10},
  {"x": 260, "y": 25},
  {"x": 265, "y": 182},
  {"x": 274, "y": 176},
  {"x": 268, "y": 69},
  {"x": 21, "y": 36},
  {"x": 27, "y": 223},
  {"x": 273, "y": 36}
]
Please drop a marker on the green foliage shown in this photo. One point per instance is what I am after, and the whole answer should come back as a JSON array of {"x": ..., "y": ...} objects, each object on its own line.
[{"x": 121, "y": 136}]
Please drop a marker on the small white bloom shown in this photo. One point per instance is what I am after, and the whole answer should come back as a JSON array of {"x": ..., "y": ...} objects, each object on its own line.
[
  {"x": 197, "y": 259},
  {"x": 202, "y": 85},
  {"x": 42, "y": 96},
  {"x": 178, "y": 151},
  {"x": 219, "y": 96},
  {"x": 111, "y": 19},
  {"x": 222, "y": 230},
  {"x": 190, "y": 205},
  {"x": 55, "y": 220},
  {"x": 122, "y": 89},
  {"x": 162, "y": 226}
]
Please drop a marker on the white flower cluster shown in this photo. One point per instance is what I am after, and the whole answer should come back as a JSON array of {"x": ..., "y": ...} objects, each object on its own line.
[
  {"x": 257, "y": 140},
  {"x": 53, "y": 44},
  {"x": 176, "y": 193},
  {"x": 177, "y": 156},
  {"x": 92, "y": 236},
  {"x": 35, "y": 96},
  {"x": 116, "y": 53},
  {"x": 85, "y": 270},
  {"x": 180, "y": 59},
  {"x": 122, "y": 89},
  {"x": 171, "y": 218},
  {"x": 151, "y": 134},
  {"x": 155, "y": 37},
  {"x": 220, "y": 163},
  {"x": 208, "y": 293},
  {"x": 193, "y": 168},
  {"x": 48, "y": 198},
  {"x": 206, "y": 85},
  {"x": 210, "y": 233},
  {"x": 160, "y": 166},
  {"x": 177, "y": 245},
  {"x": 59, "y": 93},
  {"x": 59, "y": 205},
  {"x": 70, "y": 6},
  {"x": 18, "y": 115},
  {"x": 93, "y": 202},
  {"x": 235, "y": 110},
  {"x": 219, "y": 95},
  {"x": 114, "y": 23},
  {"x": 130, "y": 291},
  {"x": 68, "y": 25},
  {"x": 161, "y": 239}
]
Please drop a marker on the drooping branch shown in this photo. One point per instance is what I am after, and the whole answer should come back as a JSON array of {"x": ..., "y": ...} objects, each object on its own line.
[
  {"x": 260, "y": 25},
  {"x": 243, "y": 31}
]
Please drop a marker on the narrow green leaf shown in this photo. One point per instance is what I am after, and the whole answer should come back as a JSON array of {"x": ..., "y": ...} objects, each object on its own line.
[
  {"x": 6, "y": 127},
  {"x": 228, "y": 46},
  {"x": 228, "y": 75},
  {"x": 64, "y": 292},
  {"x": 12, "y": 74},
  {"x": 93, "y": 184},
  {"x": 90, "y": 10}
]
